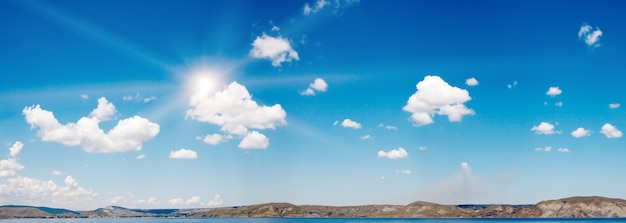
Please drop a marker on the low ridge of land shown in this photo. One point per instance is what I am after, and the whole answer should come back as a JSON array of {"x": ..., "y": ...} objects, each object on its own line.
[{"x": 589, "y": 207}]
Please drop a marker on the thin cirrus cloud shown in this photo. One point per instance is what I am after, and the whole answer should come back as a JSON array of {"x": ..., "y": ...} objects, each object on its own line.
[
  {"x": 127, "y": 135},
  {"x": 399, "y": 153},
  {"x": 589, "y": 35},
  {"x": 183, "y": 154},
  {"x": 435, "y": 96},
  {"x": 276, "y": 49},
  {"x": 236, "y": 113}
]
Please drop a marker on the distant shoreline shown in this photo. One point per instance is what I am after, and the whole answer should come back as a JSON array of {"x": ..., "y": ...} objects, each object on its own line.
[{"x": 573, "y": 207}]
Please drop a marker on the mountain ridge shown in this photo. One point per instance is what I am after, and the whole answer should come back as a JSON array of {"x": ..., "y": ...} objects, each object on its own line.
[{"x": 572, "y": 207}]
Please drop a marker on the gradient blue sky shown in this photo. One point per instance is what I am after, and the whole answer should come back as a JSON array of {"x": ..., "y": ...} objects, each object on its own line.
[{"x": 239, "y": 72}]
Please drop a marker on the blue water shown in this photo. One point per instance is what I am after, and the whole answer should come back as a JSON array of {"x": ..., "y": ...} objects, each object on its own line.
[{"x": 306, "y": 220}]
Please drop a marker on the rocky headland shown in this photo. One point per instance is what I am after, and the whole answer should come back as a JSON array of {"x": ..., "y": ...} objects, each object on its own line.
[{"x": 574, "y": 207}]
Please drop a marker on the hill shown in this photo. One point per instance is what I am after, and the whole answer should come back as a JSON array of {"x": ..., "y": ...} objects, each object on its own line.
[{"x": 573, "y": 207}]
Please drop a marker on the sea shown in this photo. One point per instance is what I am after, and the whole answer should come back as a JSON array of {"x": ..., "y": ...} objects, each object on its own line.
[{"x": 314, "y": 220}]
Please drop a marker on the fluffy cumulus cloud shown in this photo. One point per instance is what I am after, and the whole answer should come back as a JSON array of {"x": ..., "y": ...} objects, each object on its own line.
[
  {"x": 544, "y": 128},
  {"x": 233, "y": 109},
  {"x": 581, "y": 132},
  {"x": 10, "y": 166},
  {"x": 214, "y": 139},
  {"x": 348, "y": 123},
  {"x": 365, "y": 137},
  {"x": 399, "y": 153},
  {"x": 318, "y": 85},
  {"x": 149, "y": 201},
  {"x": 127, "y": 135},
  {"x": 589, "y": 35},
  {"x": 254, "y": 140},
  {"x": 435, "y": 96},
  {"x": 217, "y": 200},
  {"x": 275, "y": 49},
  {"x": 176, "y": 201},
  {"x": 610, "y": 131},
  {"x": 554, "y": 91},
  {"x": 563, "y": 150},
  {"x": 471, "y": 82},
  {"x": 31, "y": 191},
  {"x": 614, "y": 105},
  {"x": 183, "y": 154},
  {"x": 461, "y": 187}
]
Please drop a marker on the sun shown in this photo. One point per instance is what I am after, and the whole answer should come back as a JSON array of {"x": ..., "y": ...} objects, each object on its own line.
[{"x": 203, "y": 78}]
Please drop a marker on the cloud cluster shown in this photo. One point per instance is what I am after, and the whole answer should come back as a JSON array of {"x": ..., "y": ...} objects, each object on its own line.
[
  {"x": 546, "y": 149},
  {"x": 544, "y": 128},
  {"x": 610, "y": 131},
  {"x": 236, "y": 113},
  {"x": 127, "y": 135},
  {"x": 31, "y": 191},
  {"x": 10, "y": 166},
  {"x": 399, "y": 153},
  {"x": 195, "y": 201},
  {"x": 590, "y": 35},
  {"x": 183, "y": 154},
  {"x": 435, "y": 96},
  {"x": 318, "y": 85},
  {"x": 320, "y": 5},
  {"x": 275, "y": 49}
]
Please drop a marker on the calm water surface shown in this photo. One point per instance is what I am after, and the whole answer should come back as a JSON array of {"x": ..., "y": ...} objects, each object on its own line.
[{"x": 305, "y": 220}]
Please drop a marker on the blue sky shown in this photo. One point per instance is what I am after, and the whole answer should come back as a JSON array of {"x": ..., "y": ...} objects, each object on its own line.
[{"x": 166, "y": 104}]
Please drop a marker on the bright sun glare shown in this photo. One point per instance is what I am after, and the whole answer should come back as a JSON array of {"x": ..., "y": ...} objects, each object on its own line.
[{"x": 203, "y": 79}]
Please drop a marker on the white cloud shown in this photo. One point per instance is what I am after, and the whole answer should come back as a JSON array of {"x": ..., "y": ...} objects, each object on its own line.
[
  {"x": 563, "y": 150},
  {"x": 554, "y": 91},
  {"x": 193, "y": 200},
  {"x": 214, "y": 139},
  {"x": 365, "y": 137},
  {"x": 435, "y": 96},
  {"x": 514, "y": 84},
  {"x": 149, "y": 201},
  {"x": 319, "y": 5},
  {"x": 559, "y": 104},
  {"x": 104, "y": 111},
  {"x": 399, "y": 153},
  {"x": 141, "y": 156},
  {"x": 176, "y": 201},
  {"x": 336, "y": 122},
  {"x": 589, "y": 35},
  {"x": 139, "y": 98},
  {"x": 127, "y": 135},
  {"x": 348, "y": 123},
  {"x": 471, "y": 82},
  {"x": 15, "y": 149},
  {"x": 318, "y": 85},
  {"x": 545, "y": 149},
  {"x": 217, "y": 200},
  {"x": 422, "y": 148},
  {"x": 543, "y": 128},
  {"x": 234, "y": 110},
  {"x": 149, "y": 99},
  {"x": 308, "y": 92},
  {"x": 183, "y": 154},
  {"x": 461, "y": 187},
  {"x": 30, "y": 191},
  {"x": 405, "y": 171},
  {"x": 614, "y": 105},
  {"x": 254, "y": 140},
  {"x": 10, "y": 166},
  {"x": 84, "y": 96},
  {"x": 581, "y": 132},
  {"x": 56, "y": 173},
  {"x": 388, "y": 127},
  {"x": 275, "y": 49},
  {"x": 610, "y": 131}
]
